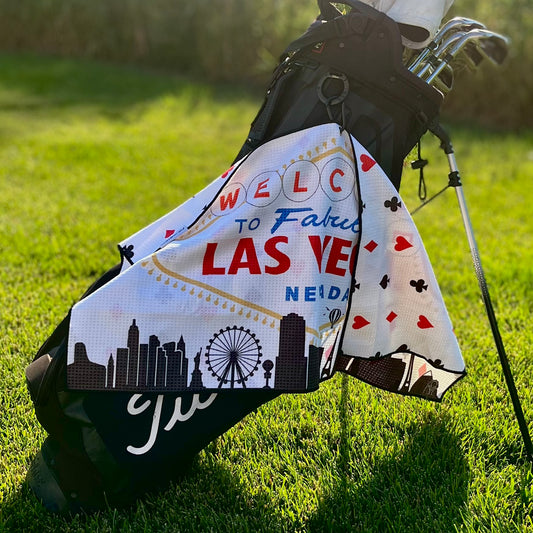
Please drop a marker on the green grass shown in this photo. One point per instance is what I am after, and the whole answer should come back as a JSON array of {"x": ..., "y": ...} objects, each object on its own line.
[{"x": 91, "y": 153}]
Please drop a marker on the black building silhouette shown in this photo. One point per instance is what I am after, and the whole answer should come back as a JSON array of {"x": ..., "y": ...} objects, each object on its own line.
[
  {"x": 143, "y": 366},
  {"x": 83, "y": 373},
  {"x": 291, "y": 362},
  {"x": 177, "y": 365},
  {"x": 133, "y": 360},
  {"x": 151, "y": 367},
  {"x": 110, "y": 380},
  {"x": 161, "y": 369},
  {"x": 138, "y": 366},
  {"x": 384, "y": 372},
  {"x": 121, "y": 375},
  {"x": 313, "y": 367}
]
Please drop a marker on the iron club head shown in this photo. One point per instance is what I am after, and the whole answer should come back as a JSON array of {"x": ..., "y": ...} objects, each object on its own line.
[
  {"x": 454, "y": 25},
  {"x": 492, "y": 45}
]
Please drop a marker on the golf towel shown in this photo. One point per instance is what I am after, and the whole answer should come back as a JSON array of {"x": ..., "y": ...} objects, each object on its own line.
[
  {"x": 299, "y": 261},
  {"x": 419, "y": 20}
]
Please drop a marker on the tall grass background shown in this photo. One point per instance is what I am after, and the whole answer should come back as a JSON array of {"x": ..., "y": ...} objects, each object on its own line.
[{"x": 240, "y": 40}]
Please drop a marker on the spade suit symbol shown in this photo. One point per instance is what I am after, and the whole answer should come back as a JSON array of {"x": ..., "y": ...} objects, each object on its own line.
[{"x": 385, "y": 280}]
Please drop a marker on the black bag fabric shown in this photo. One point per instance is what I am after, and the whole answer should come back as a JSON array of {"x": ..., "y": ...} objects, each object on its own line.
[
  {"x": 349, "y": 69},
  {"x": 345, "y": 67},
  {"x": 84, "y": 464}
]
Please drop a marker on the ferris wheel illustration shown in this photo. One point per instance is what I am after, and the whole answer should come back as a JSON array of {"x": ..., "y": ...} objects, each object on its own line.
[{"x": 233, "y": 355}]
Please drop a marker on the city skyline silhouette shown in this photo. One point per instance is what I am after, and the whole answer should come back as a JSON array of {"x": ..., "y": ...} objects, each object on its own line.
[{"x": 156, "y": 366}]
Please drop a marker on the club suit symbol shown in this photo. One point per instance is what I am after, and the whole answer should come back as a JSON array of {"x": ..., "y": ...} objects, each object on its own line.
[
  {"x": 419, "y": 285},
  {"x": 393, "y": 204}
]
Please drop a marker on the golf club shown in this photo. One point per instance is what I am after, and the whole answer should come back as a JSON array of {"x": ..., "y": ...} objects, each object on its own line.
[
  {"x": 455, "y": 182},
  {"x": 455, "y": 24},
  {"x": 434, "y": 66},
  {"x": 491, "y": 44}
]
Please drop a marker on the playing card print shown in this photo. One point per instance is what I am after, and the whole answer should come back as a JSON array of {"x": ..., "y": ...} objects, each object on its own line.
[
  {"x": 399, "y": 325},
  {"x": 299, "y": 261}
]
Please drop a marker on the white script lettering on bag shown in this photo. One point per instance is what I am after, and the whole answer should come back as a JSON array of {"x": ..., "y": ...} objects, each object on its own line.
[{"x": 177, "y": 416}]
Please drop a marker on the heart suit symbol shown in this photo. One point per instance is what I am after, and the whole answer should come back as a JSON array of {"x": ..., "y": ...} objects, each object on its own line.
[
  {"x": 423, "y": 322},
  {"x": 366, "y": 163},
  {"x": 359, "y": 322},
  {"x": 402, "y": 244}
]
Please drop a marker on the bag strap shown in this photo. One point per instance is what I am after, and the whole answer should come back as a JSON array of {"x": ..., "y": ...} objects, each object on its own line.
[
  {"x": 260, "y": 124},
  {"x": 325, "y": 27}
]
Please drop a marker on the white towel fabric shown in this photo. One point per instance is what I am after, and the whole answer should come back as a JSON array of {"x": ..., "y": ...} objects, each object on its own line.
[
  {"x": 423, "y": 17},
  {"x": 298, "y": 262}
]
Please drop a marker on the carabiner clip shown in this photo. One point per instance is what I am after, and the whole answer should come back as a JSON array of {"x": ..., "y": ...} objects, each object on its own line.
[{"x": 330, "y": 101}]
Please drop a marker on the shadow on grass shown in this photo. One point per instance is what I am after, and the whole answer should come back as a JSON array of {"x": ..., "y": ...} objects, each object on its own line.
[
  {"x": 208, "y": 498},
  {"x": 421, "y": 488}
]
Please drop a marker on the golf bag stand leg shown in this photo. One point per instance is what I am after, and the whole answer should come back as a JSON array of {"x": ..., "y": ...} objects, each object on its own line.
[{"x": 455, "y": 181}]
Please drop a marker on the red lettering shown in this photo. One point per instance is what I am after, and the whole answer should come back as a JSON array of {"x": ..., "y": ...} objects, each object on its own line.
[
  {"x": 297, "y": 187},
  {"x": 245, "y": 257},
  {"x": 208, "y": 266},
  {"x": 283, "y": 260},
  {"x": 262, "y": 185},
  {"x": 333, "y": 174},
  {"x": 318, "y": 248},
  {"x": 337, "y": 255},
  {"x": 229, "y": 200}
]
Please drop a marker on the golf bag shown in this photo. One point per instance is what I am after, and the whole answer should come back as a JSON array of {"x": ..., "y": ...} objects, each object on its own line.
[
  {"x": 349, "y": 69},
  {"x": 109, "y": 446}
]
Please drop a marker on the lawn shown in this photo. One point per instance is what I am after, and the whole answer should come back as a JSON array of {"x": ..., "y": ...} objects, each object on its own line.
[{"x": 91, "y": 153}]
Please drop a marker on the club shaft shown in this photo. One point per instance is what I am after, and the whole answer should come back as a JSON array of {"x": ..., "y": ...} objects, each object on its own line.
[{"x": 490, "y": 313}]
